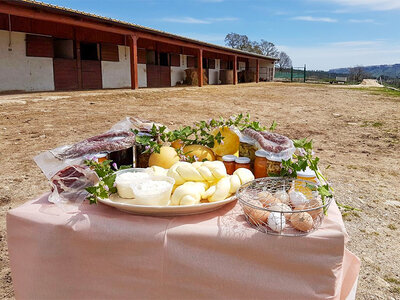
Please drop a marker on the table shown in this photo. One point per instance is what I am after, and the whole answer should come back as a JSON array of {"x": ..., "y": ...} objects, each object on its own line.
[{"x": 102, "y": 253}]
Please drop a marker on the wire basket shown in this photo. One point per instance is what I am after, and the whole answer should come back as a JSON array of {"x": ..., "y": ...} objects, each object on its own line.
[{"x": 282, "y": 206}]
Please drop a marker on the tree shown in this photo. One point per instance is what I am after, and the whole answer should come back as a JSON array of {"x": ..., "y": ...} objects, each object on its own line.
[
  {"x": 268, "y": 48},
  {"x": 284, "y": 61},
  {"x": 358, "y": 74},
  {"x": 242, "y": 42},
  {"x": 238, "y": 41}
]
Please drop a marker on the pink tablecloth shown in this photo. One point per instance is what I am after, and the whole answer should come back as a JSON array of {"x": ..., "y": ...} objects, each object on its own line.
[{"x": 101, "y": 253}]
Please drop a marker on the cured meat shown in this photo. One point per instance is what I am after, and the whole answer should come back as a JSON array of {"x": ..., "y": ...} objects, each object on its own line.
[
  {"x": 107, "y": 142},
  {"x": 271, "y": 142},
  {"x": 281, "y": 140},
  {"x": 73, "y": 178}
]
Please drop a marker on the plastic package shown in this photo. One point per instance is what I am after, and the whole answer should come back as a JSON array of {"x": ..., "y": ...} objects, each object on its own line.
[{"x": 64, "y": 168}]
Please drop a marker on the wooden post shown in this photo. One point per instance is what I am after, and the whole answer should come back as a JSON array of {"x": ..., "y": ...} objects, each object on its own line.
[
  {"x": 257, "y": 70},
  {"x": 200, "y": 67},
  {"x": 134, "y": 60},
  {"x": 78, "y": 59},
  {"x": 235, "y": 70}
]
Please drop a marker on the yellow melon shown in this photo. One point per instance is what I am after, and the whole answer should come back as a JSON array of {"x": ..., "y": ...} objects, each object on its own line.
[
  {"x": 230, "y": 142},
  {"x": 201, "y": 152},
  {"x": 165, "y": 159}
]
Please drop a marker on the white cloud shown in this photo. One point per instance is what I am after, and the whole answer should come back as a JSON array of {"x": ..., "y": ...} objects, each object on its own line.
[
  {"x": 314, "y": 19},
  {"x": 361, "y": 21},
  {"x": 190, "y": 20},
  {"x": 344, "y": 54},
  {"x": 369, "y": 4}
]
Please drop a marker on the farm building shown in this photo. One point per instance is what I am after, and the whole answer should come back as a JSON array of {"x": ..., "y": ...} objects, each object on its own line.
[{"x": 45, "y": 48}]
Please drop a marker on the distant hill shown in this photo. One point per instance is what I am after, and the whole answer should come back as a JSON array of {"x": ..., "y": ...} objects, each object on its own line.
[{"x": 391, "y": 71}]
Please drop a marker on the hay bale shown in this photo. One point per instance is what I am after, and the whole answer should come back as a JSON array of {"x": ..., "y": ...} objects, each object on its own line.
[
  {"x": 226, "y": 76},
  {"x": 193, "y": 79}
]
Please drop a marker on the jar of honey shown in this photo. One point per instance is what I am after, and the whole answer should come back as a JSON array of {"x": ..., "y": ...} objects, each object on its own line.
[
  {"x": 242, "y": 162},
  {"x": 229, "y": 162},
  {"x": 260, "y": 164},
  {"x": 308, "y": 175}
]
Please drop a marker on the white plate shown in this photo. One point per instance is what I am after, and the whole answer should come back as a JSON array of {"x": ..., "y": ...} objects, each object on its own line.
[{"x": 164, "y": 211}]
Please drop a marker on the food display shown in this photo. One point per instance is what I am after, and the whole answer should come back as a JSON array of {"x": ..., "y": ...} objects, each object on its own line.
[
  {"x": 142, "y": 163},
  {"x": 269, "y": 208}
]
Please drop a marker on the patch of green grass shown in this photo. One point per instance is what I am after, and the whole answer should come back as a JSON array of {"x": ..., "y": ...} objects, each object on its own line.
[
  {"x": 377, "y": 124},
  {"x": 378, "y": 91},
  {"x": 391, "y": 280}
]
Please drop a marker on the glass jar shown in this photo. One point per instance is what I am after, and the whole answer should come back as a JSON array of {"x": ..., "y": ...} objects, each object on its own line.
[
  {"x": 273, "y": 166},
  {"x": 229, "y": 162},
  {"x": 242, "y": 162},
  {"x": 101, "y": 157},
  {"x": 260, "y": 164},
  {"x": 141, "y": 156},
  {"x": 308, "y": 175},
  {"x": 247, "y": 148}
]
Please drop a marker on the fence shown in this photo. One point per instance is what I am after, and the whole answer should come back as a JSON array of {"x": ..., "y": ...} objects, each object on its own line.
[{"x": 291, "y": 74}]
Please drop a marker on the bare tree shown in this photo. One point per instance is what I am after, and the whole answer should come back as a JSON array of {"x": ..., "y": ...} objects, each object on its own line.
[
  {"x": 268, "y": 48},
  {"x": 284, "y": 61},
  {"x": 358, "y": 74}
]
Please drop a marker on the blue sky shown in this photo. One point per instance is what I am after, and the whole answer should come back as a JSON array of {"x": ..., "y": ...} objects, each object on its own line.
[{"x": 322, "y": 34}]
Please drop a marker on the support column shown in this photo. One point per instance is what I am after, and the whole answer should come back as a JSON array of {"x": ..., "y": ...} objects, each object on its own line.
[
  {"x": 133, "y": 62},
  {"x": 78, "y": 59},
  {"x": 200, "y": 67},
  {"x": 257, "y": 71},
  {"x": 235, "y": 70}
]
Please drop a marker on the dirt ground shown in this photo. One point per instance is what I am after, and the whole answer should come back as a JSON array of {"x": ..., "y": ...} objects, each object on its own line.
[{"x": 355, "y": 131}]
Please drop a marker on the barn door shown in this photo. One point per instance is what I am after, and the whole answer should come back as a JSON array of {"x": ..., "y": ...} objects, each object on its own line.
[
  {"x": 91, "y": 66},
  {"x": 65, "y": 74},
  {"x": 153, "y": 76}
]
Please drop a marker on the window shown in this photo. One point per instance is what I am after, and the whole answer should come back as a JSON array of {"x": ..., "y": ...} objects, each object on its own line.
[
  {"x": 109, "y": 52},
  {"x": 64, "y": 48},
  {"x": 89, "y": 51},
  {"x": 40, "y": 46},
  {"x": 164, "y": 59},
  {"x": 151, "y": 57},
  {"x": 205, "y": 63}
]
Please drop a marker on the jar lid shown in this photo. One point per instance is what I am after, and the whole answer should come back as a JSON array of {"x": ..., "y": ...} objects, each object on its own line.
[
  {"x": 242, "y": 160},
  {"x": 261, "y": 153},
  {"x": 307, "y": 173},
  {"x": 229, "y": 158},
  {"x": 246, "y": 139},
  {"x": 100, "y": 155},
  {"x": 274, "y": 158}
]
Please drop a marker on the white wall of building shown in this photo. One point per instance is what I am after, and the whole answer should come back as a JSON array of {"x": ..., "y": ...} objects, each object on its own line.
[
  {"x": 117, "y": 74},
  {"x": 178, "y": 73},
  {"x": 213, "y": 74},
  {"x": 19, "y": 72},
  {"x": 142, "y": 75},
  {"x": 267, "y": 70}
]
